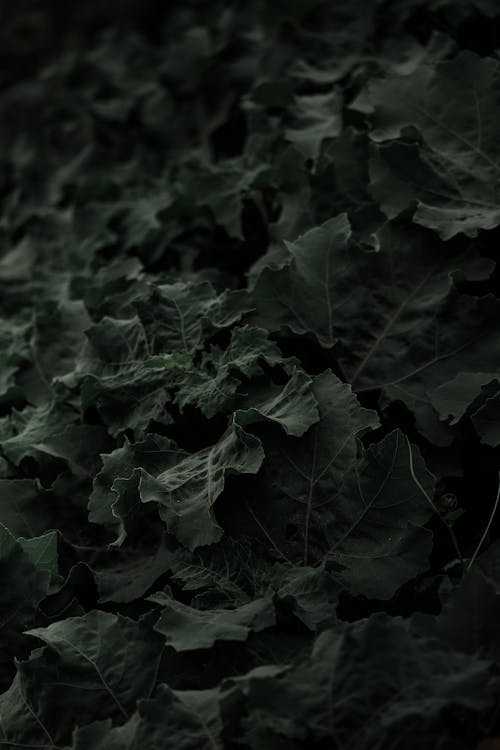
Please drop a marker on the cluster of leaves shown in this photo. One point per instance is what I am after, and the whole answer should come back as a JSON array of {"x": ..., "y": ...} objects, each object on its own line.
[{"x": 250, "y": 383}]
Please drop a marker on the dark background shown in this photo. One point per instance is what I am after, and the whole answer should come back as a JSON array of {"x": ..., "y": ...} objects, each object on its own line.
[{"x": 33, "y": 32}]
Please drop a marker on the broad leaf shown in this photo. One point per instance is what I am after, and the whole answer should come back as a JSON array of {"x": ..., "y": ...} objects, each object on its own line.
[
  {"x": 25, "y": 581},
  {"x": 453, "y": 398},
  {"x": 190, "y": 719},
  {"x": 375, "y": 529},
  {"x": 311, "y": 592},
  {"x": 28, "y": 432},
  {"x": 305, "y": 474},
  {"x": 88, "y": 668},
  {"x": 373, "y": 675},
  {"x": 27, "y": 509},
  {"x": 301, "y": 294},
  {"x": 118, "y": 476},
  {"x": 454, "y": 177},
  {"x": 402, "y": 330},
  {"x": 293, "y": 407},
  {"x": 187, "y": 492},
  {"x": 186, "y": 628},
  {"x": 467, "y": 620},
  {"x": 125, "y": 575},
  {"x": 365, "y": 510}
]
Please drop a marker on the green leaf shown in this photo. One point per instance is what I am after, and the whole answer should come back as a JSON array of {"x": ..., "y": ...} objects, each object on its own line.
[
  {"x": 27, "y": 509},
  {"x": 101, "y": 735},
  {"x": 317, "y": 117},
  {"x": 57, "y": 341},
  {"x": 472, "y": 394},
  {"x": 293, "y": 407},
  {"x": 372, "y": 681},
  {"x": 21, "y": 727},
  {"x": 313, "y": 593},
  {"x": 88, "y": 668},
  {"x": 142, "y": 216},
  {"x": 454, "y": 176},
  {"x": 190, "y": 719},
  {"x": 228, "y": 574},
  {"x": 300, "y": 295},
  {"x": 402, "y": 325},
  {"x": 186, "y": 628},
  {"x": 115, "y": 373},
  {"x": 453, "y": 398},
  {"x": 221, "y": 187},
  {"x": 207, "y": 212},
  {"x": 26, "y": 432},
  {"x": 187, "y": 492},
  {"x": 43, "y": 553},
  {"x": 25, "y": 582},
  {"x": 132, "y": 364},
  {"x": 305, "y": 474},
  {"x": 467, "y": 620},
  {"x": 118, "y": 476},
  {"x": 486, "y": 420},
  {"x": 363, "y": 509},
  {"x": 179, "y": 315},
  {"x": 214, "y": 385},
  {"x": 127, "y": 575},
  {"x": 376, "y": 526}
]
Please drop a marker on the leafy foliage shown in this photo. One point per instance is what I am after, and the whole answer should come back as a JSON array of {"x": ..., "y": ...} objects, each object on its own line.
[
  {"x": 250, "y": 377},
  {"x": 453, "y": 107}
]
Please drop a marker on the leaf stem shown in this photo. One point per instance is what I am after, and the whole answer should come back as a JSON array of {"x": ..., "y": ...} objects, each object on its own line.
[
  {"x": 488, "y": 526},
  {"x": 433, "y": 505}
]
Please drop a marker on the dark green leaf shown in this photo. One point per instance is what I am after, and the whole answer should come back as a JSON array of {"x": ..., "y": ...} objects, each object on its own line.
[{"x": 187, "y": 492}]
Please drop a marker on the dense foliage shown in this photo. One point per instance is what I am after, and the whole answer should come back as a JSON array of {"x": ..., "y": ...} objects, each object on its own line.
[{"x": 250, "y": 382}]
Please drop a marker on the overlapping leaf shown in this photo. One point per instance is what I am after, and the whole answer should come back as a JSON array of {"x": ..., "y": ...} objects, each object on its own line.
[
  {"x": 26, "y": 582},
  {"x": 364, "y": 509},
  {"x": 213, "y": 385},
  {"x": 190, "y": 718},
  {"x": 453, "y": 177},
  {"x": 86, "y": 668},
  {"x": 187, "y": 492},
  {"x": 199, "y": 521},
  {"x": 403, "y": 330},
  {"x": 346, "y": 683}
]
